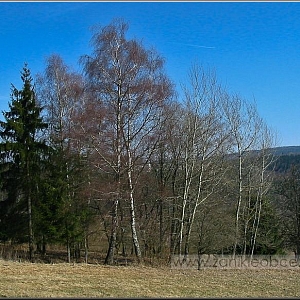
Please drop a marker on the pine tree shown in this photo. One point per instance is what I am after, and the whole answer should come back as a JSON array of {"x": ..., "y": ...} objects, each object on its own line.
[{"x": 22, "y": 153}]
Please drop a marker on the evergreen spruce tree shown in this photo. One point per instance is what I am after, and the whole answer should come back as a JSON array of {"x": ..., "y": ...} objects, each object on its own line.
[{"x": 23, "y": 151}]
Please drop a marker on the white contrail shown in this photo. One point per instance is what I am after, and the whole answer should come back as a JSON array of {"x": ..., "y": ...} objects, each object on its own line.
[
  {"x": 197, "y": 46},
  {"x": 200, "y": 46}
]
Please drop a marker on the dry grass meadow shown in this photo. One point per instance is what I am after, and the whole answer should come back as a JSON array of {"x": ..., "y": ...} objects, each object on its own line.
[{"x": 24, "y": 279}]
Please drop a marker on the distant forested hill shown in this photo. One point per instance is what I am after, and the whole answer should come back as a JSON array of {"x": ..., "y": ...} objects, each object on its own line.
[
  {"x": 286, "y": 157},
  {"x": 288, "y": 150}
]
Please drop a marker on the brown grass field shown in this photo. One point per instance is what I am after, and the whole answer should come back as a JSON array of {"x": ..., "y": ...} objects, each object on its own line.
[{"x": 35, "y": 280}]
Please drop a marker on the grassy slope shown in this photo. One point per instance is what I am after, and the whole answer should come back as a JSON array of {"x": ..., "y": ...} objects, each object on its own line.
[{"x": 80, "y": 280}]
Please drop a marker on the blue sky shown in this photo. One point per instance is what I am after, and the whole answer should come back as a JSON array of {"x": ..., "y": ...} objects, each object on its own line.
[{"x": 254, "y": 47}]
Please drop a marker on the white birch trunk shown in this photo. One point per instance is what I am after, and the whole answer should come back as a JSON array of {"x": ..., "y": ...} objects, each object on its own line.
[{"x": 132, "y": 209}]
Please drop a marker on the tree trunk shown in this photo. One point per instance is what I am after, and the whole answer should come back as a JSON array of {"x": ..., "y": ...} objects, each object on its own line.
[
  {"x": 237, "y": 216},
  {"x": 29, "y": 209},
  {"x": 109, "y": 260},
  {"x": 113, "y": 238},
  {"x": 30, "y": 229},
  {"x": 86, "y": 248},
  {"x": 259, "y": 202},
  {"x": 68, "y": 251},
  {"x": 135, "y": 240}
]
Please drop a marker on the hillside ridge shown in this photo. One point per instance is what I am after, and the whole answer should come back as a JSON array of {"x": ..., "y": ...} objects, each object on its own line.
[{"x": 286, "y": 150}]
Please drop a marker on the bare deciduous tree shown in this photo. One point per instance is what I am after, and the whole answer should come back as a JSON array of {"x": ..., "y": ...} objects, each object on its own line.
[
  {"x": 266, "y": 141},
  {"x": 204, "y": 139},
  {"x": 241, "y": 118},
  {"x": 130, "y": 82},
  {"x": 61, "y": 93},
  {"x": 248, "y": 134}
]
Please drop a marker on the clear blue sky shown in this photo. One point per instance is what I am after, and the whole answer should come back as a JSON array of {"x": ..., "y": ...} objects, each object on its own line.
[{"x": 253, "y": 46}]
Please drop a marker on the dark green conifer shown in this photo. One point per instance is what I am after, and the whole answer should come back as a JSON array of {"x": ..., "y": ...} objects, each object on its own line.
[{"x": 23, "y": 151}]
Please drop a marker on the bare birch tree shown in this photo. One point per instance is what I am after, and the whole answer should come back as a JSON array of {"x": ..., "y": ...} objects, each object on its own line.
[
  {"x": 266, "y": 141},
  {"x": 204, "y": 141},
  {"x": 61, "y": 92},
  {"x": 130, "y": 82},
  {"x": 245, "y": 125}
]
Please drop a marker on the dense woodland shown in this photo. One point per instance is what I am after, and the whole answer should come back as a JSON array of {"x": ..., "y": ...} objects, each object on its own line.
[{"x": 119, "y": 159}]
